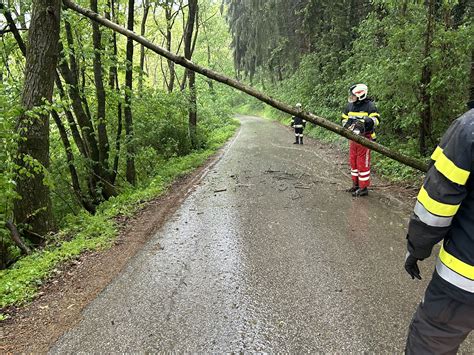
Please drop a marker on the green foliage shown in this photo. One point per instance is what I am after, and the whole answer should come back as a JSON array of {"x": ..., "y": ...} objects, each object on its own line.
[
  {"x": 8, "y": 139},
  {"x": 20, "y": 283},
  {"x": 83, "y": 231},
  {"x": 384, "y": 48}
]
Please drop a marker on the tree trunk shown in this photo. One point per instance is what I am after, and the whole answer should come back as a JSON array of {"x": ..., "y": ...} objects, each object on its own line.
[
  {"x": 85, "y": 124},
  {"x": 34, "y": 206},
  {"x": 169, "y": 27},
  {"x": 320, "y": 121},
  {"x": 188, "y": 52},
  {"x": 72, "y": 168},
  {"x": 114, "y": 85},
  {"x": 70, "y": 118},
  {"x": 100, "y": 94},
  {"x": 130, "y": 173},
  {"x": 13, "y": 28},
  {"x": 117, "y": 140},
  {"x": 146, "y": 9},
  {"x": 426, "y": 117}
]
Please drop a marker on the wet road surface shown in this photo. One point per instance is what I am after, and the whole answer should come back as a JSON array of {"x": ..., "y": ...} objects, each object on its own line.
[{"x": 267, "y": 254}]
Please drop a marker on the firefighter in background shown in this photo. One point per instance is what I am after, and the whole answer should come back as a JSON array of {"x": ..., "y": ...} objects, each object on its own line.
[
  {"x": 298, "y": 124},
  {"x": 445, "y": 211},
  {"x": 361, "y": 117}
]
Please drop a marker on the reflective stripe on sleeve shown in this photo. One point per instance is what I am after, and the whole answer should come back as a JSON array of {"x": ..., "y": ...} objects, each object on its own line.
[
  {"x": 435, "y": 207},
  {"x": 430, "y": 219},
  {"x": 446, "y": 167},
  {"x": 436, "y": 153},
  {"x": 345, "y": 116},
  {"x": 375, "y": 117}
]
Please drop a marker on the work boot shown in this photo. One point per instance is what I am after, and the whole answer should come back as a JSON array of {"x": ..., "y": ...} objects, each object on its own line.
[
  {"x": 360, "y": 192},
  {"x": 296, "y": 141},
  {"x": 354, "y": 188},
  {"x": 301, "y": 140}
]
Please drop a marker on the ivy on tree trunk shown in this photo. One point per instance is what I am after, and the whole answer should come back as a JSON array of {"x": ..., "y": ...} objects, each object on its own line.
[{"x": 33, "y": 209}]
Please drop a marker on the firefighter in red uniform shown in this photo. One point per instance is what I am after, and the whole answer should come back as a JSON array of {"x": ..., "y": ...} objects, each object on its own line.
[
  {"x": 444, "y": 211},
  {"x": 361, "y": 117}
]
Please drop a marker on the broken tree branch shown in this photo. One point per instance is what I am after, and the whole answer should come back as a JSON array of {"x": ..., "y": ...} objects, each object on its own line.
[
  {"x": 16, "y": 238},
  {"x": 320, "y": 121}
]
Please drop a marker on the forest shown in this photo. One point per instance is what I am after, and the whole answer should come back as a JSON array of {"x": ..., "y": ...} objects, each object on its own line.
[{"x": 93, "y": 125}]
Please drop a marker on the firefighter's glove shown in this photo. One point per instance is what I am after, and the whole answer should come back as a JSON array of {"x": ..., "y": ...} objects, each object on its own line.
[
  {"x": 360, "y": 124},
  {"x": 358, "y": 127},
  {"x": 368, "y": 123},
  {"x": 411, "y": 266}
]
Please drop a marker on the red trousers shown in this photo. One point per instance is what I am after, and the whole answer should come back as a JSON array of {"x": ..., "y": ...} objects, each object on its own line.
[{"x": 359, "y": 159}]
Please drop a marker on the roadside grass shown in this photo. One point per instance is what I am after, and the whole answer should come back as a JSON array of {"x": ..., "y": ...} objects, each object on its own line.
[{"x": 85, "y": 232}]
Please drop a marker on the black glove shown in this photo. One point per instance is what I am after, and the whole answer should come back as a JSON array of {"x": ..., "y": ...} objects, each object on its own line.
[
  {"x": 369, "y": 123},
  {"x": 359, "y": 127},
  {"x": 411, "y": 266}
]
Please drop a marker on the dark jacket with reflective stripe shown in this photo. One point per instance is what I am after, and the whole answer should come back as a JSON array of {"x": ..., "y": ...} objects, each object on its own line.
[
  {"x": 298, "y": 121},
  {"x": 364, "y": 108},
  {"x": 445, "y": 204}
]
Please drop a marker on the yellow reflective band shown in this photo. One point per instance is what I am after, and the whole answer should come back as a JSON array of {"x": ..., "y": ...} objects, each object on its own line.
[
  {"x": 435, "y": 207},
  {"x": 374, "y": 114},
  {"x": 361, "y": 113},
  {"x": 450, "y": 170},
  {"x": 456, "y": 265},
  {"x": 436, "y": 153},
  {"x": 344, "y": 116}
]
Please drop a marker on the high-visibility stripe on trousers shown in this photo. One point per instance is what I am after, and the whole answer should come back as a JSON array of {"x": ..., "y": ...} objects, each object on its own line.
[
  {"x": 455, "y": 271},
  {"x": 359, "y": 160}
]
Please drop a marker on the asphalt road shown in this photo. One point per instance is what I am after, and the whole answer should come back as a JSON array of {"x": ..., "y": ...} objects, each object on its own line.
[{"x": 268, "y": 254}]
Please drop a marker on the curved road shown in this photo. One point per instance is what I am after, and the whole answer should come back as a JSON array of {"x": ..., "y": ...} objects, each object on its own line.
[{"x": 267, "y": 254}]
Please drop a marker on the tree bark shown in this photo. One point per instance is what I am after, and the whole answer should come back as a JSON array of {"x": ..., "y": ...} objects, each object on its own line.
[
  {"x": 320, "y": 121},
  {"x": 17, "y": 238},
  {"x": 13, "y": 28},
  {"x": 130, "y": 173},
  {"x": 114, "y": 85},
  {"x": 117, "y": 139},
  {"x": 72, "y": 168},
  {"x": 169, "y": 27},
  {"x": 85, "y": 124},
  {"x": 426, "y": 117},
  {"x": 70, "y": 118},
  {"x": 146, "y": 9},
  {"x": 100, "y": 94},
  {"x": 191, "y": 75},
  {"x": 34, "y": 206}
]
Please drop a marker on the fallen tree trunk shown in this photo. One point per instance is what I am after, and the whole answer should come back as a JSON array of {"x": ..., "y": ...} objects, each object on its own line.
[{"x": 410, "y": 161}]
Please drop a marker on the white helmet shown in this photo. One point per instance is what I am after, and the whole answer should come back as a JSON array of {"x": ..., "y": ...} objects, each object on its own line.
[
  {"x": 359, "y": 90},
  {"x": 298, "y": 105}
]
